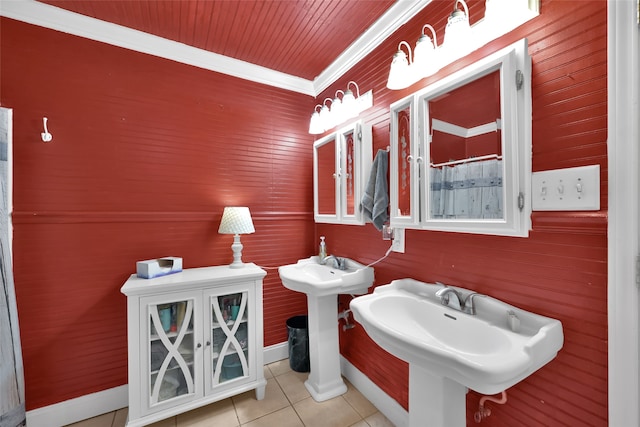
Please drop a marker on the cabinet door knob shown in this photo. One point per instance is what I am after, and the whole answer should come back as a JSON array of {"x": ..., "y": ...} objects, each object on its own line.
[
  {"x": 208, "y": 343},
  {"x": 198, "y": 345}
]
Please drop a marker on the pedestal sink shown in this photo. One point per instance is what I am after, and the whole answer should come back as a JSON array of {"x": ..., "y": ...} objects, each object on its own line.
[
  {"x": 449, "y": 350},
  {"x": 322, "y": 284}
]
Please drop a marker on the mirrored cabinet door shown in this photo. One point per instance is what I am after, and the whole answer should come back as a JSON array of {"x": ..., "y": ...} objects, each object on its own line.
[
  {"x": 326, "y": 174},
  {"x": 404, "y": 164},
  {"x": 341, "y": 165}
]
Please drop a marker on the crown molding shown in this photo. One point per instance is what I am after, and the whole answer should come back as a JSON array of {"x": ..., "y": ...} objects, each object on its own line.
[{"x": 44, "y": 15}]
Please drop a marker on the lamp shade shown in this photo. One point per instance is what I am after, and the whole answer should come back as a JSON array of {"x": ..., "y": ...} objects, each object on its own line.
[{"x": 236, "y": 220}]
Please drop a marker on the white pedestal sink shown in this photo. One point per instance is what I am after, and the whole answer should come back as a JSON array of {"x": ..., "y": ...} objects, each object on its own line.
[
  {"x": 449, "y": 350},
  {"x": 322, "y": 284}
]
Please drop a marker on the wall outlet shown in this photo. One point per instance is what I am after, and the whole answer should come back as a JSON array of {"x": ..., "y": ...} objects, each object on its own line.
[{"x": 398, "y": 240}]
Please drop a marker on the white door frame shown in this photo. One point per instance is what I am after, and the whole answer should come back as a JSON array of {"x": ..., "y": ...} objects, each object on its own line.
[{"x": 623, "y": 223}]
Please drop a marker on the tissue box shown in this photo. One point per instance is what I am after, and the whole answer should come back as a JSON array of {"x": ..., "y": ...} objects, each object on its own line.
[{"x": 158, "y": 267}]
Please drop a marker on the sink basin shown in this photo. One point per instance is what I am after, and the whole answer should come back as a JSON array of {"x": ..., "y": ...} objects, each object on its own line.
[
  {"x": 312, "y": 278},
  {"x": 484, "y": 352}
]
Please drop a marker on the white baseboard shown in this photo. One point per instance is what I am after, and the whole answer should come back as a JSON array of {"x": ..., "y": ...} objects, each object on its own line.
[
  {"x": 381, "y": 400},
  {"x": 80, "y": 408},
  {"x": 94, "y": 404}
]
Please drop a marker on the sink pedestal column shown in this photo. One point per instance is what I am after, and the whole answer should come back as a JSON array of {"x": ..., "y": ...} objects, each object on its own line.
[
  {"x": 325, "y": 380},
  {"x": 435, "y": 401}
]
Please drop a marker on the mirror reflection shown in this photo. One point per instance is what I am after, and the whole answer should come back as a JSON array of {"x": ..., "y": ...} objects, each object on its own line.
[{"x": 465, "y": 150}]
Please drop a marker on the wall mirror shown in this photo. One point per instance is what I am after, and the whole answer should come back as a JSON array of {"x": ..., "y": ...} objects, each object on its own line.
[{"x": 473, "y": 158}]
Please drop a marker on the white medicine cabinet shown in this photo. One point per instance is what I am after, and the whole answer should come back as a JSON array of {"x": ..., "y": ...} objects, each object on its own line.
[
  {"x": 461, "y": 150},
  {"x": 341, "y": 166}
]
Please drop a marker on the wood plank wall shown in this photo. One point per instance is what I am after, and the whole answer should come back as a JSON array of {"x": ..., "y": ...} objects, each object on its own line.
[
  {"x": 146, "y": 153},
  {"x": 561, "y": 269}
]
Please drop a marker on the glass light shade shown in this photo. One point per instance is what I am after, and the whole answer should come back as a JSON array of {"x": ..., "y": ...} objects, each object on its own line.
[
  {"x": 349, "y": 105},
  {"x": 236, "y": 220},
  {"x": 426, "y": 60},
  {"x": 458, "y": 40},
  {"x": 400, "y": 72},
  {"x": 315, "y": 124},
  {"x": 337, "y": 110},
  {"x": 325, "y": 117}
]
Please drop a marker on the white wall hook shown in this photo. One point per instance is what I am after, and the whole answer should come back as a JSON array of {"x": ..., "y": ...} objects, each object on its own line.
[{"x": 46, "y": 136}]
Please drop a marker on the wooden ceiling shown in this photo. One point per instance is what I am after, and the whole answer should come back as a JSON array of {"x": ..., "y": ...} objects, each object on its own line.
[{"x": 297, "y": 37}]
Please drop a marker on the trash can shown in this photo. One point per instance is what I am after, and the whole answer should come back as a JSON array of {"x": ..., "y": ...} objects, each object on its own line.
[{"x": 298, "y": 328}]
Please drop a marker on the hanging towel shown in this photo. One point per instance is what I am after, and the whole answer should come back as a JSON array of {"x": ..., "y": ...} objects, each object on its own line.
[{"x": 376, "y": 195}]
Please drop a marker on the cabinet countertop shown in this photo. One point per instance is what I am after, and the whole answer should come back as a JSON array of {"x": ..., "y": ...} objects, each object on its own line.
[{"x": 192, "y": 278}]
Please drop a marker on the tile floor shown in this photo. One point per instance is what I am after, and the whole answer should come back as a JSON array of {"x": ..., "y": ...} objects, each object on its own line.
[{"x": 287, "y": 403}]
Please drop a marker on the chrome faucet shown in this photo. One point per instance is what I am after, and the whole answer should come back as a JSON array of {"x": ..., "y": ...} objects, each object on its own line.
[
  {"x": 339, "y": 263},
  {"x": 466, "y": 306}
]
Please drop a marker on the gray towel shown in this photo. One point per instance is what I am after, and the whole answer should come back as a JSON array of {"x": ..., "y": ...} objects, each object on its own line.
[{"x": 376, "y": 194}]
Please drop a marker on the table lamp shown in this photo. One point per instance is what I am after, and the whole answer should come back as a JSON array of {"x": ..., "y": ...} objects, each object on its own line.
[{"x": 236, "y": 220}]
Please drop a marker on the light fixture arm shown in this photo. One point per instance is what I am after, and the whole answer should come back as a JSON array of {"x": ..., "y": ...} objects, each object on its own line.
[
  {"x": 433, "y": 31},
  {"x": 356, "y": 85},
  {"x": 408, "y": 49}
]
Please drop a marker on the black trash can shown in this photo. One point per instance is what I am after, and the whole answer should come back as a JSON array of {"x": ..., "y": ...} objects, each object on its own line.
[{"x": 298, "y": 327}]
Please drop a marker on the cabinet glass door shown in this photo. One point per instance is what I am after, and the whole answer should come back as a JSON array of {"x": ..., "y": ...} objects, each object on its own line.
[
  {"x": 230, "y": 337},
  {"x": 171, "y": 350}
]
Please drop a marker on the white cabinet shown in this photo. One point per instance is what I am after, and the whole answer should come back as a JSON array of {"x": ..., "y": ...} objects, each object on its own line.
[
  {"x": 461, "y": 150},
  {"x": 194, "y": 337},
  {"x": 341, "y": 165}
]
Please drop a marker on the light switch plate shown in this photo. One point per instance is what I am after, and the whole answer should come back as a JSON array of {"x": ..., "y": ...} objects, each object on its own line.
[{"x": 571, "y": 189}]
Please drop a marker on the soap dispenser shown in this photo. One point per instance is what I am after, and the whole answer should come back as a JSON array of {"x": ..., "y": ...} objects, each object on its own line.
[{"x": 322, "y": 253}]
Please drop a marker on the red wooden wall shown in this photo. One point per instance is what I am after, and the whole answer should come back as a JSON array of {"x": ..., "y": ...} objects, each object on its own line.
[
  {"x": 146, "y": 153},
  {"x": 561, "y": 269}
]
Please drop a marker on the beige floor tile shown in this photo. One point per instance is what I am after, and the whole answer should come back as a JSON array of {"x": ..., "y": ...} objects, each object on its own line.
[
  {"x": 220, "y": 413},
  {"x": 267, "y": 372},
  {"x": 168, "y": 422},
  {"x": 249, "y": 409},
  {"x": 292, "y": 383},
  {"x": 280, "y": 367},
  {"x": 104, "y": 420},
  {"x": 379, "y": 420},
  {"x": 361, "y": 423},
  {"x": 120, "y": 419},
  {"x": 286, "y": 417},
  {"x": 334, "y": 412},
  {"x": 358, "y": 401}
]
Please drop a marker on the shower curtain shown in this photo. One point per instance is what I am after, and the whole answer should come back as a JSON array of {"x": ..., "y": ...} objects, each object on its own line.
[
  {"x": 467, "y": 190},
  {"x": 12, "y": 409}
]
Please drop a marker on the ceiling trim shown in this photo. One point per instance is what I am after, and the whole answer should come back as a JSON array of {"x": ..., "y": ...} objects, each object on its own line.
[{"x": 44, "y": 15}]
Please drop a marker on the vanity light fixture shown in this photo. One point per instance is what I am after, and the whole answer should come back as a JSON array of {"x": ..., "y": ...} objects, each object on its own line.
[
  {"x": 341, "y": 110},
  {"x": 501, "y": 16},
  {"x": 236, "y": 220}
]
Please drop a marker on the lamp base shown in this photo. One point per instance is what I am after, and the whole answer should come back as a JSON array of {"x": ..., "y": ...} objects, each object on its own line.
[{"x": 236, "y": 247}]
